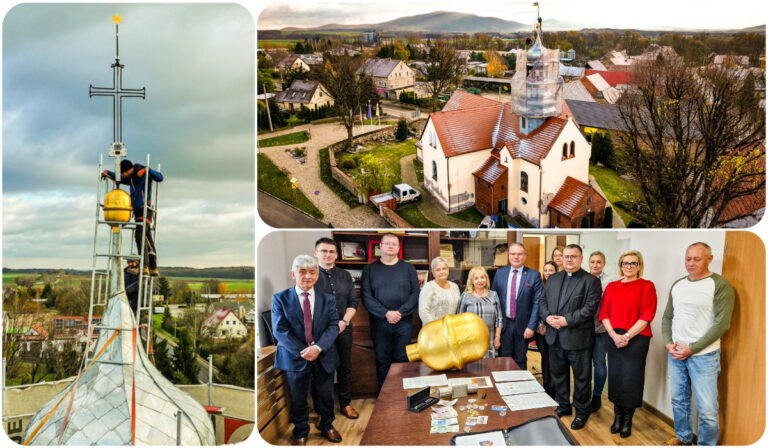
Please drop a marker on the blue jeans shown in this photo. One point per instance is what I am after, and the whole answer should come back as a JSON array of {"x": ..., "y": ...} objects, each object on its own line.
[
  {"x": 700, "y": 372},
  {"x": 598, "y": 360}
]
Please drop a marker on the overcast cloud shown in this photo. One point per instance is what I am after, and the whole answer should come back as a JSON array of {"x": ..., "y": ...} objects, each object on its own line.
[
  {"x": 647, "y": 14},
  {"x": 196, "y": 62}
]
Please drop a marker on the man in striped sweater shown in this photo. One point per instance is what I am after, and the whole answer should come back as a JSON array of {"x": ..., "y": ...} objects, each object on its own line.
[{"x": 698, "y": 313}]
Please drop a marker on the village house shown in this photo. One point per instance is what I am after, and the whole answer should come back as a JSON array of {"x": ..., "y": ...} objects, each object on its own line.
[
  {"x": 523, "y": 158},
  {"x": 224, "y": 324},
  {"x": 291, "y": 62},
  {"x": 390, "y": 76},
  {"x": 720, "y": 59},
  {"x": 600, "y": 89},
  {"x": 310, "y": 94}
]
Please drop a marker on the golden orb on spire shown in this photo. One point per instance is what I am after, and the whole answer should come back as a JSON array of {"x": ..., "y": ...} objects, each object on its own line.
[{"x": 117, "y": 18}]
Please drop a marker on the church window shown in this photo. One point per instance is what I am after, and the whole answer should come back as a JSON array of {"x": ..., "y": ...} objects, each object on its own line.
[
  {"x": 573, "y": 149},
  {"x": 523, "y": 122},
  {"x": 523, "y": 200},
  {"x": 565, "y": 151},
  {"x": 524, "y": 181},
  {"x": 434, "y": 170}
]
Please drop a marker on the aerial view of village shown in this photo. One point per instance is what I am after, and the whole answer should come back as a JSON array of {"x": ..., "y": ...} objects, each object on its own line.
[{"x": 517, "y": 115}]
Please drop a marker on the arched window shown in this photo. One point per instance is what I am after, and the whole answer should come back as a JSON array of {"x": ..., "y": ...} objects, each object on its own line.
[
  {"x": 573, "y": 148},
  {"x": 434, "y": 170},
  {"x": 565, "y": 150},
  {"x": 524, "y": 181}
]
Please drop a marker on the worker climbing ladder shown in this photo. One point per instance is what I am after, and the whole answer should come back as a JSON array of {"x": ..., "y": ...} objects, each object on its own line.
[{"x": 113, "y": 210}]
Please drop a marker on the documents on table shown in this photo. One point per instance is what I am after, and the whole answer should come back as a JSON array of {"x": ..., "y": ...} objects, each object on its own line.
[
  {"x": 481, "y": 381},
  {"x": 519, "y": 387},
  {"x": 444, "y": 429},
  {"x": 420, "y": 382},
  {"x": 493, "y": 438},
  {"x": 512, "y": 375},
  {"x": 528, "y": 401}
]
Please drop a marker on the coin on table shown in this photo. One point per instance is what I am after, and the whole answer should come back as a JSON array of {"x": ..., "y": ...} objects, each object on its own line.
[{"x": 472, "y": 400}]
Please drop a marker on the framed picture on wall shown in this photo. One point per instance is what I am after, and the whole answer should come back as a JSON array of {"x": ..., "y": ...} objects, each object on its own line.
[{"x": 352, "y": 251}]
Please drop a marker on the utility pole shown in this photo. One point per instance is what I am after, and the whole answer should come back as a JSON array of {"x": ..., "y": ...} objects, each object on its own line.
[{"x": 266, "y": 101}]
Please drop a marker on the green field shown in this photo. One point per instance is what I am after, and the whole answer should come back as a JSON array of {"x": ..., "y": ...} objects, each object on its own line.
[
  {"x": 389, "y": 154},
  {"x": 285, "y": 139},
  {"x": 470, "y": 214},
  {"x": 413, "y": 215},
  {"x": 615, "y": 188},
  {"x": 274, "y": 181}
]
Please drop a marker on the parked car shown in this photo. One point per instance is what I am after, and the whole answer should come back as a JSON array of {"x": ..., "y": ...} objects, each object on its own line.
[
  {"x": 400, "y": 194},
  {"x": 487, "y": 223}
]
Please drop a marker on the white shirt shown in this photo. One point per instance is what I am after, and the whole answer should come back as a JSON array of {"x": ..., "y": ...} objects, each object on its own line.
[{"x": 517, "y": 286}]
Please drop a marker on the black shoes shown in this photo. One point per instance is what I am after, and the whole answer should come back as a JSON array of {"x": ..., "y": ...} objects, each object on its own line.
[
  {"x": 560, "y": 412},
  {"x": 626, "y": 424},
  {"x": 579, "y": 421},
  {"x": 596, "y": 404},
  {"x": 616, "y": 426}
]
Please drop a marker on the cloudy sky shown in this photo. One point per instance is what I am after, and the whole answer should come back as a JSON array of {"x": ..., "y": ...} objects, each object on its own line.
[
  {"x": 196, "y": 62},
  {"x": 588, "y": 13}
]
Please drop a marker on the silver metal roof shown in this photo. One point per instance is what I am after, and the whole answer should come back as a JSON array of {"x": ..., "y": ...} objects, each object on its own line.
[{"x": 96, "y": 409}]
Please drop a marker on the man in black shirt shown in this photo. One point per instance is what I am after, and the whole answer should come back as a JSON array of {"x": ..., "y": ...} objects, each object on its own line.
[
  {"x": 338, "y": 282},
  {"x": 390, "y": 293}
]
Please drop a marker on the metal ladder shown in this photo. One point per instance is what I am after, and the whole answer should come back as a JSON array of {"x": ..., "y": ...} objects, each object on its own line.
[{"x": 100, "y": 276}]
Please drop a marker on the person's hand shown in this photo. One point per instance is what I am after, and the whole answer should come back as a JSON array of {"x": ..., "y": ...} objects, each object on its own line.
[
  {"x": 528, "y": 333},
  {"x": 552, "y": 321},
  {"x": 310, "y": 353},
  {"x": 561, "y": 322},
  {"x": 542, "y": 330},
  {"x": 342, "y": 326},
  {"x": 497, "y": 341},
  {"x": 618, "y": 339},
  {"x": 670, "y": 348},
  {"x": 393, "y": 317},
  {"x": 681, "y": 352}
]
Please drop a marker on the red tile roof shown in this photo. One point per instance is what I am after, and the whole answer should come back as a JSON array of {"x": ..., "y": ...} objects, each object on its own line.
[
  {"x": 467, "y": 130},
  {"x": 570, "y": 195},
  {"x": 613, "y": 78},
  {"x": 491, "y": 170},
  {"x": 461, "y": 100},
  {"x": 532, "y": 147},
  {"x": 470, "y": 123},
  {"x": 743, "y": 206}
]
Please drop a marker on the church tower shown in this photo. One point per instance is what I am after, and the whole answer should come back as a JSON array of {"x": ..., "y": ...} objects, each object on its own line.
[{"x": 537, "y": 87}]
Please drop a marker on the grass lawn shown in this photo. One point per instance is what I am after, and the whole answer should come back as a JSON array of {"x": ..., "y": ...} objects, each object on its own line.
[
  {"x": 157, "y": 324},
  {"x": 285, "y": 139},
  {"x": 273, "y": 181},
  {"x": 390, "y": 155},
  {"x": 520, "y": 223},
  {"x": 10, "y": 278},
  {"x": 413, "y": 215},
  {"x": 419, "y": 168},
  {"x": 471, "y": 214},
  {"x": 325, "y": 175},
  {"x": 615, "y": 189}
]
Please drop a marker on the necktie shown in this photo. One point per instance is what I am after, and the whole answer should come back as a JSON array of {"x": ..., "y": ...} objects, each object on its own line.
[
  {"x": 513, "y": 295},
  {"x": 307, "y": 319}
]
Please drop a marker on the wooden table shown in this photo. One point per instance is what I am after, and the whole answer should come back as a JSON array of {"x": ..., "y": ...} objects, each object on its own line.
[{"x": 392, "y": 423}]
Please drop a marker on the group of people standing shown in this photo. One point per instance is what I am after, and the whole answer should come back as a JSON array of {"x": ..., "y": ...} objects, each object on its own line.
[{"x": 577, "y": 318}]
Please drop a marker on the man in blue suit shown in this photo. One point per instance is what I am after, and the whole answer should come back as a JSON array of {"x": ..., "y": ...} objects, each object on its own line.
[
  {"x": 519, "y": 290},
  {"x": 305, "y": 324}
]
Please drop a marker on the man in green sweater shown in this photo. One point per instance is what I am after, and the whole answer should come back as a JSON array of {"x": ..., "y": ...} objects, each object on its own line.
[{"x": 698, "y": 313}]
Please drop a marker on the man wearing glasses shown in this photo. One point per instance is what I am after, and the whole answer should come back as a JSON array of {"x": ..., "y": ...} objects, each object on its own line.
[
  {"x": 390, "y": 293},
  {"x": 567, "y": 306},
  {"x": 602, "y": 340}
]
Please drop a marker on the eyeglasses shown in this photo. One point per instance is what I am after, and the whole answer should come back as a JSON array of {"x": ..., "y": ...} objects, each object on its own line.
[
  {"x": 630, "y": 264},
  {"x": 571, "y": 257},
  {"x": 390, "y": 244}
]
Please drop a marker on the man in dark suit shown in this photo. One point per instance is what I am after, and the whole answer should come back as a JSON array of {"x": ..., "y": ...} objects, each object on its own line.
[
  {"x": 568, "y": 307},
  {"x": 305, "y": 324},
  {"x": 519, "y": 291}
]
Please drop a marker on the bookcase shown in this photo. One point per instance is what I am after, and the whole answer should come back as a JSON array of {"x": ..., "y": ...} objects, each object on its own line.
[{"x": 357, "y": 249}]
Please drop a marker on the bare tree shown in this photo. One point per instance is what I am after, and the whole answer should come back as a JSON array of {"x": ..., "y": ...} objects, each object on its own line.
[
  {"x": 442, "y": 70},
  {"x": 350, "y": 91},
  {"x": 693, "y": 142}
]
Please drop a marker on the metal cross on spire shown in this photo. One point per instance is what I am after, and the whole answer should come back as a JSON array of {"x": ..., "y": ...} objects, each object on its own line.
[{"x": 117, "y": 92}]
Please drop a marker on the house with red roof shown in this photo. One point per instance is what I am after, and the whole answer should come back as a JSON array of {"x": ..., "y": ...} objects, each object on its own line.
[
  {"x": 525, "y": 157},
  {"x": 224, "y": 324}
]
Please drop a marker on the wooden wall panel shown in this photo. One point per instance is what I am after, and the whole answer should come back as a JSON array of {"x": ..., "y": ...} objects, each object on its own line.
[{"x": 741, "y": 386}]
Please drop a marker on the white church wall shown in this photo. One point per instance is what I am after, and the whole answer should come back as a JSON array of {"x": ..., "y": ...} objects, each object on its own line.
[
  {"x": 515, "y": 196},
  {"x": 462, "y": 182},
  {"x": 555, "y": 169}
]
